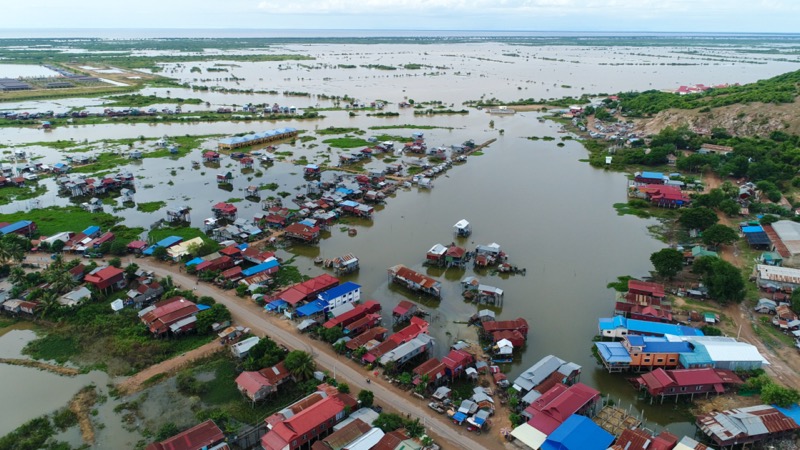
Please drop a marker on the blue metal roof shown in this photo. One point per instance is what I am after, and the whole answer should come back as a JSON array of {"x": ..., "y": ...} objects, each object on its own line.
[
  {"x": 698, "y": 358},
  {"x": 578, "y": 433},
  {"x": 169, "y": 241},
  {"x": 612, "y": 323},
  {"x": 202, "y": 307},
  {"x": 348, "y": 203},
  {"x": 613, "y": 352},
  {"x": 338, "y": 291},
  {"x": 308, "y": 222},
  {"x": 272, "y": 263},
  {"x": 194, "y": 261},
  {"x": 242, "y": 246},
  {"x": 752, "y": 229},
  {"x": 275, "y": 305},
  {"x": 459, "y": 417},
  {"x": 655, "y": 175},
  {"x": 91, "y": 230},
  {"x": 657, "y": 328},
  {"x": 16, "y": 226},
  {"x": 344, "y": 191},
  {"x": 309, "y": 309},
  {"x": 255, "y": 136},
  {"x": 659, "y": 344},
  {"x": 312, "y": 166}
]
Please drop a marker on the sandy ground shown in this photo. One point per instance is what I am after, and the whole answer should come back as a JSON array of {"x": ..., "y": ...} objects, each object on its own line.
[
  {"x": 136, "y": 382},
  {"x": 60, "y": 370},
  {"x": 82, "y": 405}
]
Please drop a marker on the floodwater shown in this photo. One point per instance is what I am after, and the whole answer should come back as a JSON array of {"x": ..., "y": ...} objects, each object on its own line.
[{"x": 548, "y": 210}]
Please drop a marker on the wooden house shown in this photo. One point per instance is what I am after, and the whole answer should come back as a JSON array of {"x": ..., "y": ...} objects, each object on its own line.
[
  {"x": 415, "y": 281},
  {"x": 675, "y": 383},
  {"x": 403, "y": 312},
  {"x": 302, "y": 233},
  {"x": 223, "y": 178}
]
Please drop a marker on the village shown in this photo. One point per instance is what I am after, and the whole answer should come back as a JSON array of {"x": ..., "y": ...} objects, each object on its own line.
[{"x": 316, "y": 346}]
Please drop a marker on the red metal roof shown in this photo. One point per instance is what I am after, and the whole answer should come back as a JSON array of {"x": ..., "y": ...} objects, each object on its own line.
[
  {"x": 556, "y": 405},
  {"x": 302, "y": 230},
  {"x": 457, "y": 360},
  {"x": 225, "y": 208},
  {"x": 642, "y": 440},
  {"x": 646, "y": 287},
  {"x": 455, "y": 251},
  {"x": 231, "y": 273},
  {"x": 363, "y": 338},
  {"x": 230, "y": 250},
  {"x": 168, "y": 312},
  {"x": 417, "y": 327},
  {"x": 137, "y": 245},
  {"x": 275, "y": 374},
  {"x": 403, "y": 308},
  {"x": 519, "y": 324},
  {"x": 251, "y": 382},
  {"x": 305, "y": 421},
  {"x": 195, "y": 438},
  {"x": 431, "y": 367},
  {"x": 105, "y": 277},
  {"x": 415, "y": 277},
  {"x": 380, "y": 350}
]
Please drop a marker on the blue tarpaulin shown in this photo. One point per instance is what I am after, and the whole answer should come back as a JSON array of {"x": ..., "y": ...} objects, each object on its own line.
[
  {"x": 91, "y": 230},
  {"x": 271, "y": 264},
  {"x": 194, "y": 262},
  {"x": 276, "y": 305},
  {"x": 792, "y": 412},
  {"x": 315, "y": 307},
  {"x": 459, "y": 417},
  {"x": 201, "y": 307}
]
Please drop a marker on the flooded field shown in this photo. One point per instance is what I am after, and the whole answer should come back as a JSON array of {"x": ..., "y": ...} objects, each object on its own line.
[{"x": 548, "y": 210}]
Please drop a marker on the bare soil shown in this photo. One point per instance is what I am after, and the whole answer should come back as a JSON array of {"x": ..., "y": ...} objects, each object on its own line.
[
  {"x": 60, "y": 370},
  {"x": 82, "y": 405}
]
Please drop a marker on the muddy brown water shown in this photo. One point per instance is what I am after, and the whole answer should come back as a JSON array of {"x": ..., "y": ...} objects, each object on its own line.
[{"x": 550, "y": 212}]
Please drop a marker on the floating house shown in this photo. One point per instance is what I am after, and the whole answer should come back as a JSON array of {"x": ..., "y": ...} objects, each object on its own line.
[
  {"x": 211, "y": 157},
  {"x": 179, "y": 214},
  {"x": 302, "y": 233},
  {"x": 403, "y": 312},
  {"x": 256, "y": 138},
  {"x": 462, "y": 228},
  {"x": 519, "y": 324},
  {"x": 415, "y": 281},
  {"x": 662, "y": 383},
  {"x": 748, "y": 425},
  {"x": 226, "y": 211},
  {"x": 344, "y": 264}
]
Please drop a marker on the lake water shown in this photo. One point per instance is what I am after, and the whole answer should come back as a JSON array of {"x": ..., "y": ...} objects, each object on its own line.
[{"x": 550, "y": 212}]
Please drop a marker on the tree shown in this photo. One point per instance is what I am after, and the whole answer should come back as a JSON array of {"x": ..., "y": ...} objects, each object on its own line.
[
  {"x": 167, "y": 430},
  {"x": 388, "y": 422},
  {"x": 48, "y": 304},
  {"x": 218, "y": 313},
  {"x": 160, "y": 253},
  {"x": 11, "y": 251},
  {"x": 796, "y": 300},
  {"x": 723, "y": 280},
  {"x": 779, "y": 395},
  {"x": 343, "y": 388},
  {"x": 118, "y": 248},
  {"x": 115, "y": 262},
  {"x": 300, "y": 364},
  {"x": 423, "y": 384},
  {"x": 668, "y": 262},
  {"x": 719, "y": 234},
  {"x": 130, "y": 271},
  {"x": 331, "y": 335},
  {"x": 700, "y": 218},
  {"x": 405, "y": 378},
  {"x": 730, "y": 207},
  {"x": 340, "y": 347},
  {"x": 367, "y": 398},
  {"x": 57, "y": 246},
  {"x": 414, "y": 428}
]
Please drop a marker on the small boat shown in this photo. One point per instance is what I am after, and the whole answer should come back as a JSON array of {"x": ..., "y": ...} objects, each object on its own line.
[
  {"x": 318, "y": 260},
  {"x": 502, "y": 360},
  {"x": 352, "y": 232}
]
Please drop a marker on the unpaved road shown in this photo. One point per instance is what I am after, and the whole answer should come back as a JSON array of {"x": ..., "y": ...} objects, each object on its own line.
[
  {"x": 134, "y": 383},
  {"x": 248, "y": 314},
  {"x": 784, "y": 362}
]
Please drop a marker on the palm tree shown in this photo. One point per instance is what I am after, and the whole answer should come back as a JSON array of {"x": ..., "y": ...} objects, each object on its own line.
[
  {"x": 11, "y": 251},
  {"x": 49, "y": 303},
  {"x": 62, "y": 282},
  {"x": 300, "y": 364},
  {"x": 17, "y": 276}
]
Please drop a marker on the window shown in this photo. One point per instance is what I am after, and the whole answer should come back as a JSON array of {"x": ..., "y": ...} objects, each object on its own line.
[
  {"x": 647, "y": 360},
  {"x": 683, "y": 388},
  {"x": 698, "y": 388},
  {"x": 660, "y": 360},
  {"x": 672, "y": 360}
]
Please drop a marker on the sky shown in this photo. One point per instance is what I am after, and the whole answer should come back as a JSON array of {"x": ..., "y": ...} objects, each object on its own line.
[{"x": 746, "y": 16}]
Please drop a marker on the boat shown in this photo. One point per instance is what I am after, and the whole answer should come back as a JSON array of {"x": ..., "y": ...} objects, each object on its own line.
[
  {"x": 462, "y": 228},
  {"x": 502, "y": 360},
  {"x": 318, "y": 260},
  {"x": 352, "y": 232}
]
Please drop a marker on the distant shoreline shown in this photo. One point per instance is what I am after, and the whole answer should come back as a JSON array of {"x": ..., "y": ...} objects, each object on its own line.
[{"x": 221, "y": 33}]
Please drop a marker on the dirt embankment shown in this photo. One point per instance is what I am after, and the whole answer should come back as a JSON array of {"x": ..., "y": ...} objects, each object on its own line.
[
  {"x": 754, "y": 119},
  {"x": 82, "y": 405},
  {"x": 60, "y": 370}
]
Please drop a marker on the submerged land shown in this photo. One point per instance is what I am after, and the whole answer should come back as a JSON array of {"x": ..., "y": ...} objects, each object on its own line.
[{"x": 540, "y": 142}]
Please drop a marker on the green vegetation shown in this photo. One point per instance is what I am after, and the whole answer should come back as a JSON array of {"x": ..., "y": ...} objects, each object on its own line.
[
  {"x": 780, "y": 89},
  {"x": 335, "y": 130},
  {"x": 30, "y": 436},
  {"x": 150, "y": 207},
  {"x": 668, "y": 262},
  {"x": 55, "y": 219},
  {"x": 723, "y": 280},
  {"x": 634, "y": 207},
  {"x": 431, "y": 111},
  {"x": 16, "y": 193},
  {"x": 353, "y": 142},
  {"x": 408, "y": 127},
  {"x": 379, "y": 67},
  {"x": 138, "y": 100},
  {"x": 621, "y": 285}
]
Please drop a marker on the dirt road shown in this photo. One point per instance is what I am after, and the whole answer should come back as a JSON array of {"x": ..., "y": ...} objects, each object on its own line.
[
  {"x": 248, "y": 314},
  {"x": 784, "y": 362},
  {"x": 168, "y": 367}
]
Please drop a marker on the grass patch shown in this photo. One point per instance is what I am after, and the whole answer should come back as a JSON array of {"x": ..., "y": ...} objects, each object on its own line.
[
  {"x": 633, "y": 208},
  {"x": 15, "y": 193},
  {"x": 335, "y": 130},
  {"x": 269, "y": 187},
  {"x": 150, "y": 207},
  {"x": 53, "y": 347},
  {"x": 55, "y": 219},
  {"x": 234, "y": 200},
  {"x": 347, "y": 142},
  {"x": 138, "y": 100},
  {"x": 477, "y": 153},
  {"x": 409, "y": 127}
]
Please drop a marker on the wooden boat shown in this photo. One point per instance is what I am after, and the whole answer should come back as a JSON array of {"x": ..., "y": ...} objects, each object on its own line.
[
  {"x": 318, "y": 260},
  {"x": 352, "y": 232}
]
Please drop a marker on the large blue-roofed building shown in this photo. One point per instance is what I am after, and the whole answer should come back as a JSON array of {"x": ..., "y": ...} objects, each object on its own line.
[
  {"x": 271, "y": 265},
  {"x": 614, "y": 356},
  {"x": 348, "y": 292},
  {"x": 167, "y": 242},
  {"x": 619, "y": 327},
  {"x": 23, "y": 228},
  {"x": 578, "y": 433}
]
